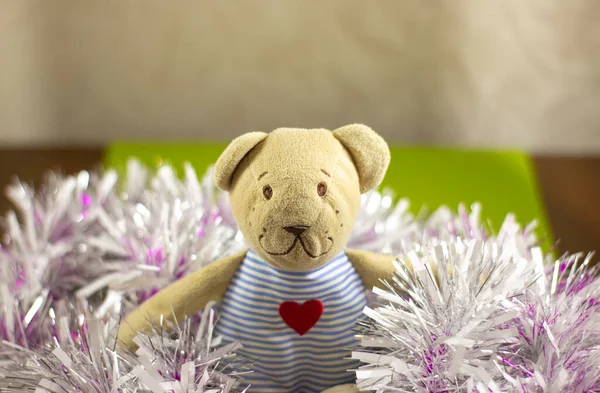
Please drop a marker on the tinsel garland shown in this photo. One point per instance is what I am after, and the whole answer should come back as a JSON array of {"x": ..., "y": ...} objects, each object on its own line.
[
  {"x": 481, "y": 311},
  {"x": 84, "y": 359}
]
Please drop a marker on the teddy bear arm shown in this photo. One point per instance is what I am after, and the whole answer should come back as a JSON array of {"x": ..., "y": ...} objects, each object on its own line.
[
  {"x": 342, "y": 389},
  {"x": 183, "y": 298},
  {"x": 372, "y": 267}
]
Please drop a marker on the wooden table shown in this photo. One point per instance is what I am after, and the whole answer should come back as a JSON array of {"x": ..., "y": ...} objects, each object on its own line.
[{"x": 570, "y": 187}]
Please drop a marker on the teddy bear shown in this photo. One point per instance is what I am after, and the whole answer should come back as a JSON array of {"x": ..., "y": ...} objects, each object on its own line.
[{"x": 293, "y": 298}]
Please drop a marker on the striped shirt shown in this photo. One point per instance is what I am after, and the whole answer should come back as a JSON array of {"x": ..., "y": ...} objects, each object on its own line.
[{"x": 283, "y": 360}]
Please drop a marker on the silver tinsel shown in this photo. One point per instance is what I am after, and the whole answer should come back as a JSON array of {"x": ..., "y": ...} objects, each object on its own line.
[
  {"x": 476, "y": 317},
  {"x": 440, "y": 325},
  {"x": 559, "y": 332},
  {"x": 48, "y": 254},
  {"x": 169, "y": 359},
  {"x": 482, "y": 311},
  {"x": 390, "y": 228},
  {"x": 158, "y": 229}
]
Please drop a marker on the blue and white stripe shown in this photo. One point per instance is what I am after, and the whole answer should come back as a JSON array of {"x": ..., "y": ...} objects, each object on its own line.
[{"x": 285, "y": 362}]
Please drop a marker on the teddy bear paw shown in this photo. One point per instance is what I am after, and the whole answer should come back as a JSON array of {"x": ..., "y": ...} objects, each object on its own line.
[{"x": 342, "y": 389}]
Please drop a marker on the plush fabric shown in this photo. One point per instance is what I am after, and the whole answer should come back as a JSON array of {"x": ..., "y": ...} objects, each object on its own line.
[
  {"x": 349, "y": 388},
  {"x": 362, "y": 143},
  {"x": 295, "y": 194},
  {"x": 231, "y": 157},
  {"x": 292, "y": 163},
  {"x": 183, "y": 298},
  {"x": 372, "y": 267}
]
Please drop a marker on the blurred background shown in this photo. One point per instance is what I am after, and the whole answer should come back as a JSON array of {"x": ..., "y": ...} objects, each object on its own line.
[
  {"x": 77, "y": 75},
  {"x": 469, "y": 72}
]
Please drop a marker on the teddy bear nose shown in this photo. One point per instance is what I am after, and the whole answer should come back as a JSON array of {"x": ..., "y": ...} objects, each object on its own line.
[{"x": 296, "y": 229}]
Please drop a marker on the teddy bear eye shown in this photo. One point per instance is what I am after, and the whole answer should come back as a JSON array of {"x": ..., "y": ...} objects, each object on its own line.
[
  {"x": 322, "y": 189},
  {"x": 267, "y": 192}
]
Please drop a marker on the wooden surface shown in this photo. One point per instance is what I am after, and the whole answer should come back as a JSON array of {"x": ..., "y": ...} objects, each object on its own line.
[
  {"x": 571, "y": 192},
  {"x": 570, "y": 188}
]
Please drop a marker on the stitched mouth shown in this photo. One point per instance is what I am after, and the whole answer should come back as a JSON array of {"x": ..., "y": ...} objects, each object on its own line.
[{"x": 291, "y": 248}]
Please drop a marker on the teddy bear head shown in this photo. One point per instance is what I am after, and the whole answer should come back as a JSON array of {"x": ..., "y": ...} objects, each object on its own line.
[{"x": 295, "y": 193}]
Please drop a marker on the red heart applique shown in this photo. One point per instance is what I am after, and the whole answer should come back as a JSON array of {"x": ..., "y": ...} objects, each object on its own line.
[{"x": 301, "y": 317}]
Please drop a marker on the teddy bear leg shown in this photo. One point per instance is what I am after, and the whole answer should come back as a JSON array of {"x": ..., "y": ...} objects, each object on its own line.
[{"x": 342, "y": 389}]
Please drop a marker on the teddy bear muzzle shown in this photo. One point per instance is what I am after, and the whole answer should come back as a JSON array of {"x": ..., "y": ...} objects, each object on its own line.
[{"x": 302, "y": 243}]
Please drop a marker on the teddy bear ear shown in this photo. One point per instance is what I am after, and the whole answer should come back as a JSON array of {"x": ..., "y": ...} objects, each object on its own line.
[
  {"x": 233, "y": 155},
  {"x": 369, "y": 151}
]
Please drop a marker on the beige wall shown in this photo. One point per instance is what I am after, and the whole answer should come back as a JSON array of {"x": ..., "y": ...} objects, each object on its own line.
[{"x": 508, "y": 73}]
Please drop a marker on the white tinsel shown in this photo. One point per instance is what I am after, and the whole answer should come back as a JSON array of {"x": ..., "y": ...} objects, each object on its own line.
[
  {"x": 159, "y": 229},
  {"x": 441, "y": 332},
  {"x": 476, "y": 317},
  {"x": 47, "y": 254},
  {"x": 498, "y": 316},
  {"x": 84, "y": 359}
]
